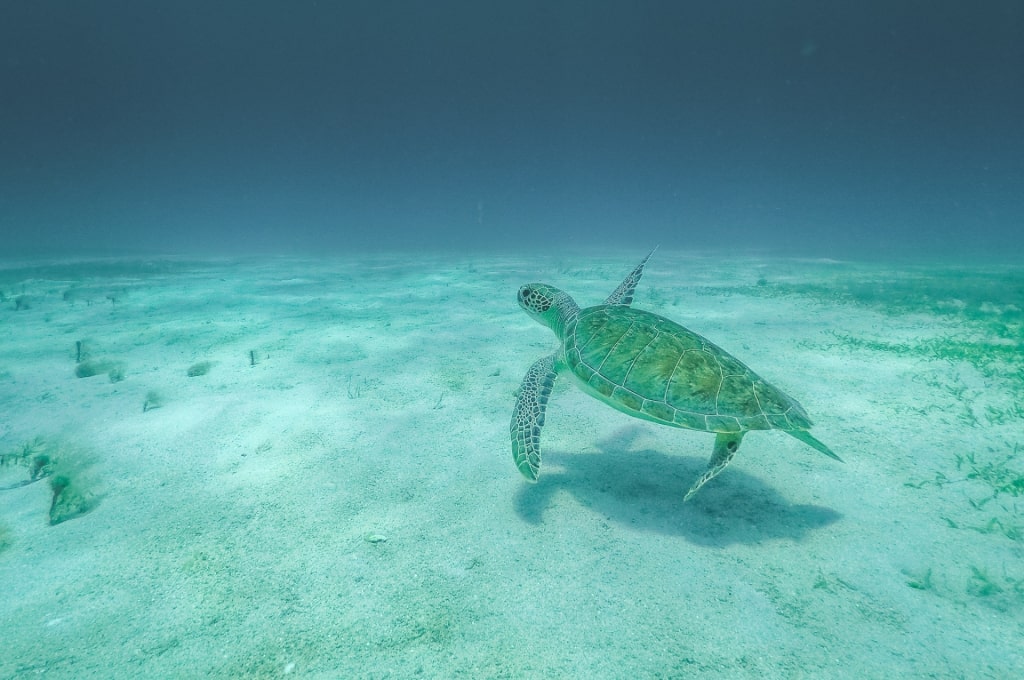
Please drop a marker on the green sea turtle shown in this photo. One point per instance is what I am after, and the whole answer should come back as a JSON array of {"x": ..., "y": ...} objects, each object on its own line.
[{"x": 648, "y": 367}]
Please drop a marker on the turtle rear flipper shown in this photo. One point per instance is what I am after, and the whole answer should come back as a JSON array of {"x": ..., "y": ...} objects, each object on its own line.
[
  {"x": 528, "y": 417},
  {"x": 726, "y": 444}
]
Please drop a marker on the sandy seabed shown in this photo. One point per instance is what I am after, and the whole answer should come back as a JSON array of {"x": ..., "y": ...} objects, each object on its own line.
[{"x": 302, "y": 467}]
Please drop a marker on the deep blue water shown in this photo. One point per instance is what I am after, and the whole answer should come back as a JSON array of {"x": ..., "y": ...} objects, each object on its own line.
[{"x": 827, "y": 128}]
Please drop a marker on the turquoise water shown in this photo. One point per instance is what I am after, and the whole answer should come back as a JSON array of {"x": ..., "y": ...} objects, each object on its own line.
[{"x": 269, "y": 467}]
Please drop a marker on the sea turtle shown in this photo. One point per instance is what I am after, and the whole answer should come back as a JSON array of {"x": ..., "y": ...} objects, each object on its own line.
[{"x": 648, "y": 367}]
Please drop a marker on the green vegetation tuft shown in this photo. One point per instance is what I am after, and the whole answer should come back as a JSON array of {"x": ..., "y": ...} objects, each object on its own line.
[
  {"x": 981, "y": 585},
  {"x": 993, "y": 357},
  {"x": 71, "y": 498},
  {"x": 67, "y": 470},
  {"x": 990, "y": 298},
  {"x": 198, "y": 369},
  {"x": 88, "y": 369},
  {"x": 1000, "y": 483},
  {"x": 996, "y": 474},
  {"x": 6, "y": 539},
  {"x": 35, "y": 456},
  {"x": 153, "y": 400},
  {"x": 983, "y": 308},
  {"x": 922, "y": 582},
  {"x": 116, "y": 373}
]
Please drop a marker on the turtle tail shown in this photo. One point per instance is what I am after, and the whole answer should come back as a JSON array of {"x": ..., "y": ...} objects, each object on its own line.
[{"x": 807, "y": 438}]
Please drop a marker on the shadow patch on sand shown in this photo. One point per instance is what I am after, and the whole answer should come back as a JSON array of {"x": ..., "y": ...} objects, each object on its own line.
[{"x": 644, "y": 490}]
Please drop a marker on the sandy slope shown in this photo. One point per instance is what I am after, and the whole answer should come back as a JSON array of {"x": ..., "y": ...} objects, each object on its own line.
[{"x": 238, "y": 527}]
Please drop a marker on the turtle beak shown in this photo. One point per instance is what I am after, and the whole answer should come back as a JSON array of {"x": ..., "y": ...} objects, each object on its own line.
[{"x": 524, "y": 294}]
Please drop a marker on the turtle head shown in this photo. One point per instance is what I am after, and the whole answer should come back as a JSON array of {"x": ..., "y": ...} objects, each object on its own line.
[{"x": 548, "y": 305}]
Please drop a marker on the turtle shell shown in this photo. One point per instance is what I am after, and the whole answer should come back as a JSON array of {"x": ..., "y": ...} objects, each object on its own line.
[{"x": 651, "y": 367}]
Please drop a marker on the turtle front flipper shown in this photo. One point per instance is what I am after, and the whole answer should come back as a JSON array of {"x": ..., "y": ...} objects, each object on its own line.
[
  {"x": 528, "y": 418},
  {"x": 623, "y": 295},
  {"x": 726, "y": 444}
]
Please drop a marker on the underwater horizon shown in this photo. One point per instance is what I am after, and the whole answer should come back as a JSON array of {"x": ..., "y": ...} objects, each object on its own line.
[{"x": 273, "y": 387}]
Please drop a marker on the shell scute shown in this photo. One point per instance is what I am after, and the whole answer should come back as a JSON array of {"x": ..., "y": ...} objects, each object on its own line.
[
  {"x": 693, "y": 421},
  {"x": 601, "y": 384},
  {"x": 695, "y": 382},
  {"x": 723, "y": 424},
  {"x": 628, "y": 399},
  {"x": 758, "y": 422},
  {"x": 737, "y": 393},
  {"x": 659, "y": 410},
  {"x": 771, "y": 400}
]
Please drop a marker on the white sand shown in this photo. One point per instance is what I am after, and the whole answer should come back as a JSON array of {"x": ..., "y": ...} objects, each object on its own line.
[{"x": 231, "y": 536}]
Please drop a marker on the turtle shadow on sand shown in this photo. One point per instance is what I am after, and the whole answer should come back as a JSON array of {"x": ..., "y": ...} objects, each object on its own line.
[{"x": 643, "y": 489}]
